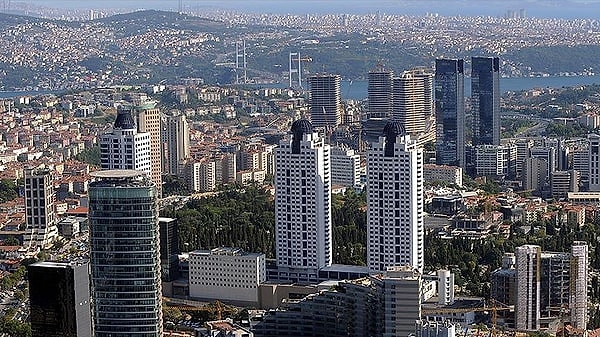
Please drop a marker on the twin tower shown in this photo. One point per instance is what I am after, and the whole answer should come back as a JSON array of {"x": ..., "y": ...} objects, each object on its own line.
[{"x": 303, "y": 228}]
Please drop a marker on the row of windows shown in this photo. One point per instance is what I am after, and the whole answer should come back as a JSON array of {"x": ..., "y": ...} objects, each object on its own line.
[{"x": 225, "y": 285}]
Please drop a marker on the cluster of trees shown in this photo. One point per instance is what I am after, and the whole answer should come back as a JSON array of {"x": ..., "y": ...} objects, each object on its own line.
[
  {"x": 349, "y": 219},
  {"x": 567, "y": 130},
  {"x": 90, "y": 156},
  {"x": 235, "y": 217},
  {"x": 8, "y": 190},
  {"x": 13, "y": 279},
  {"x": 556, "y": 59},
  {"x": 244, "y": 217},
  {"x": 174, "y": 185},
  {"x": 12, "y": 327}
]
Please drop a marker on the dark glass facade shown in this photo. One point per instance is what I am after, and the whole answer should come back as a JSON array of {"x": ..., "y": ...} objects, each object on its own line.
[
  {"x": 169, "y": 249},
  {"x": 485, "y": 100},
  {"x": 450, "y": 112},
  {"x": 125, "y": 260},
  {"x": 60, "y": 303}
]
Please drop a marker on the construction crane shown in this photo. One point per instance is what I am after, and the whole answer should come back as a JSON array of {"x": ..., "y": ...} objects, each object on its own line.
[{"x": 494, "y": 308}]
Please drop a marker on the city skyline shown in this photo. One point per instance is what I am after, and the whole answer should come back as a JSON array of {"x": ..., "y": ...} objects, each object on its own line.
[{"x": 536, "y": 8}]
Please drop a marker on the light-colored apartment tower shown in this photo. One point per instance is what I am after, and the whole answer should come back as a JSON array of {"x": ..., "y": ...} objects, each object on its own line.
[
  {"x": 303, "y": 237},
  {"x": 148, "y": 120},
  {"x": 176, "y": 143},
  {"x": 495, "y": 160},
  {"x": 325, "y": 100},
  {"x": 413, "y": 100},
  {"x": 394, "y": 201},
  {"x": 578, "y": 302},
  {"x": 124, "y": 148},
  {"x": 39, "y": 209},
  {"x": 380, "y": 92},
  {"x": 528, "y": 266},
  {"x": 345, "y": 167}
]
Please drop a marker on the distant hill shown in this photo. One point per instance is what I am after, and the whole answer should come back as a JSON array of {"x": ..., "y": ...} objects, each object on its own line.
[
  {"x": 135, "y": 22},
  {"x": 8, "y": 20}
]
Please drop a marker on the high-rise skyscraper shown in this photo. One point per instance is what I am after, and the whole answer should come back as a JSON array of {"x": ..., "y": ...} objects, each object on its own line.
[
  {"x": 303, "y": 236},
  {"x": 325, "y": 100},
  {"x": 579, "y": 284},
  {"x": 394, "y": 201},
  {"x": 148, "y": 120},
  {"x": 39, "y": 209},
  {"x": 60, "y": 302},
  {"x": 450, "y": 112},
  {"x": 548, "y": 283},
  {"x": 124, "y": 148},
  {"x": 593, "y": 162},
  {"x": 485, "y": 100},
  {"x": 176, "y": 140},
  {"x": 380, "y": 92},
  {"x": 124, "y": 254},
  {"x": 169, "y": 249},
  {"x": 413, "y": 101},
  {"x": 527, "y": 308}
]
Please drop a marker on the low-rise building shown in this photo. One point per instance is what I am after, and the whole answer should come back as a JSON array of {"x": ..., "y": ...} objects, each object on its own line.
[
  {"x": 227, "y": 274},
  {"x": 443, "y": 173}
]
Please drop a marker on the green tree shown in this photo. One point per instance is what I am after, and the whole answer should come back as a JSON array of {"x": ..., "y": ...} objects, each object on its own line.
[
  {"x": 90, "y": 156},
  {"x": 8, "y": 190}
]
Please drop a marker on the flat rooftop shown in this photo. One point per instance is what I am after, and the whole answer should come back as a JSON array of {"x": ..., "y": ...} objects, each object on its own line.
[{"x": 115, "y": 174}]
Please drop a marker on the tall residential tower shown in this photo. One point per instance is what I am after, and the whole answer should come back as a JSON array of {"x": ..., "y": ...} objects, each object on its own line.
[
  {"x": 39, "y": 209},
  {"x": 176, "y": 142},
  {"x": 394, "y": 201},
  {"x": 124, "y": 148},
  {"x": 380, "y": 92},
  {"x": 303, "y": 237},
  {"x": 413, "y": 101},
  {"x": 325, "y": 100}
]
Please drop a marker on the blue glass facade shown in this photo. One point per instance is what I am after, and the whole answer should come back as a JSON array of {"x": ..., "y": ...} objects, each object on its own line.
[
  {"x": 125, "y": 259},
  {"x": 450, "y": 112},
  {"x": 485, "y": 100}
]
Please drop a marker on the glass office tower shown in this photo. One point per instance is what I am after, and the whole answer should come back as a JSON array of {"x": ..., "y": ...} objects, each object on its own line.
[
  {"x": 124, "y": 252},
  {"x": 450, "y": 112},
  {"x": 485, "y": 100}
]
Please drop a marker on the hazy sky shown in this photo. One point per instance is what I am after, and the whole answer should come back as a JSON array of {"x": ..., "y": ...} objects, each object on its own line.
[{"x": 535, "y": 8}]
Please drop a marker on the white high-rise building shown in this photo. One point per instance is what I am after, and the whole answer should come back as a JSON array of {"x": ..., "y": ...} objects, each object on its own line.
[
  {"x": 303, "y": 237},
  {"x": 413, "y": 100},
  {"x": 39, "y": 209},
  {"x": 124, "y": 148},
  {"x": 527, "y": 308},
  {"x": 579, "y": 286},
  {"x": 394, "y": 201},
  {"x": 345, "y": 167},
  {"x": 148, "y": 119},
  {"x": 176, "y": 140},
  {"x": 495, "y": 160}
]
